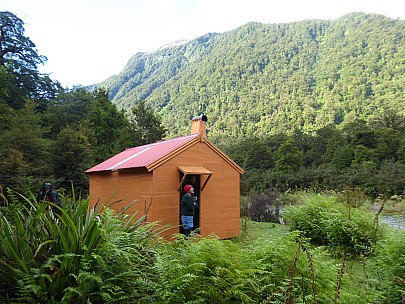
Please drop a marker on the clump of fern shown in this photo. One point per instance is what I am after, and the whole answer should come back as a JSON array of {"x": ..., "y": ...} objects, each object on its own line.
[
  {"x": 265, "y": 271},
  {"x": 207, "y": 270},
  {"x": 388, "y": 267},
  {"x": 327, "y": 222}
]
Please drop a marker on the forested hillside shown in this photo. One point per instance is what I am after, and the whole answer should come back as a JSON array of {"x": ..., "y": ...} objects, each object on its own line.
[
  {"x": 316, "y": 104},
  {"x": 263, "y": 79}
]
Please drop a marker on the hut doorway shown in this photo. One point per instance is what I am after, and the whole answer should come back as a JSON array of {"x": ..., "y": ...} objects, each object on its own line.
[
  {"x": 193, "y": 180},
  {"x": 198, "y": 178}
]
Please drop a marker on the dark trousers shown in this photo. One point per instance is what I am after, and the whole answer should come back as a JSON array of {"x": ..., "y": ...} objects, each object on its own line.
[{"x": 187, "y": 232}]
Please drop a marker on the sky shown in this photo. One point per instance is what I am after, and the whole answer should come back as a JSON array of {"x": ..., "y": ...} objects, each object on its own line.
[{"x": 87, "y": 41}]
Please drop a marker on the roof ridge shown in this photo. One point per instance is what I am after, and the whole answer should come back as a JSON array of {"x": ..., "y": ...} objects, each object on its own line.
[
  {"x": 129, "y": 158},
  {"x": 163, "y": 141}
]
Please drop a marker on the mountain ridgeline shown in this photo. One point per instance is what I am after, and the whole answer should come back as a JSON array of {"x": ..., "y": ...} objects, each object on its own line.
[{"x": 263, "y": 79}]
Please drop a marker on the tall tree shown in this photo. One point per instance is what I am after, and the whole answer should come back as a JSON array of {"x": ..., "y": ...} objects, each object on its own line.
[
  {"x": 72, "y": 154},
  {"x": 14, "y": 170},
  {"x": 5, "y": 110},
  {"x": 19, "y": 54},
  {"x": 289, "y": 157},
  {"x": 110, "y": 127},
  {"x": 147, "y": 125},
  {"x": 68, "y": 108},
  {"x": 26, "y": 152}
]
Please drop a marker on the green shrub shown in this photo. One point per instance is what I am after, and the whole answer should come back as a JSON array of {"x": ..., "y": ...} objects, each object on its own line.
[
  {"x": 388, "y": 267},
  {"x": 329, "y": 223},
  {"x": 308, "y": 218},
  {"x": 267, "y": 270},
  {"x": 204, "y": 271},
  {"x": 285, "y": 269}
]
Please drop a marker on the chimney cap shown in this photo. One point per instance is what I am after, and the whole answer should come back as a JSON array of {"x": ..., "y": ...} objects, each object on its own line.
[{"x": 201, "y": 117}]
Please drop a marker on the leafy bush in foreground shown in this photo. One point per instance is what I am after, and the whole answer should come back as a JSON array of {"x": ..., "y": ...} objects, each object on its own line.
[
  {"x": 389, "y": 267},
  {"x": 278, "y": 270},
  {"x": 329, "y": 223},
  {"x": 104, "y": 257},
  {"x": 79, "y": 256}
]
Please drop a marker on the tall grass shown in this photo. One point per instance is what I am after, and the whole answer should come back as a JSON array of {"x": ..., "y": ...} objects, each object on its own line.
[{"x": 266, "y": 270}]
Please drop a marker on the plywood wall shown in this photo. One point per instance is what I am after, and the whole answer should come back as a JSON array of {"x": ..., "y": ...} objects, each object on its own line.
[{"x": 120, "y": 189}]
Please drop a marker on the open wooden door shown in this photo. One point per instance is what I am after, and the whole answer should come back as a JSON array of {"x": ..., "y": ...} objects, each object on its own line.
[{"x": 198, "y": 177}]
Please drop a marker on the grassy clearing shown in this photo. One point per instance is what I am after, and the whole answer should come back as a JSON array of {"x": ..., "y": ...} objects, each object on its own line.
[{"x": 254, "y": 230}]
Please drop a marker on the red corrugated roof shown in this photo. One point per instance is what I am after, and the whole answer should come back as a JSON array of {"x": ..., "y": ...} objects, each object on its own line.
[{"x": 142, "y": 156}]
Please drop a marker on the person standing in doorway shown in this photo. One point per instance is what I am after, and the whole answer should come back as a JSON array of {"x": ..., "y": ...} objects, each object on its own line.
[
  {"x": 188, "y": 207},
  {"x": 194, "y": 181}
]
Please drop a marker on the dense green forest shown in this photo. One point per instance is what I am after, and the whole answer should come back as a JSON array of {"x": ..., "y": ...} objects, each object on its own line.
[
  {"x": 307, "y": 104},
  {"x": 265, "y": 79},
  {"x": 52, "y": 133}
]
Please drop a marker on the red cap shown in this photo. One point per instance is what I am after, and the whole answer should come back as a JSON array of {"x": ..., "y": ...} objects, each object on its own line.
[{"x": 187, "y": 188}]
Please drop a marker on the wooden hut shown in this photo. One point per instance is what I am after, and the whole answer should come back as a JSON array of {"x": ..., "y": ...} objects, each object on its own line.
[{"x": 154, "y": 176}]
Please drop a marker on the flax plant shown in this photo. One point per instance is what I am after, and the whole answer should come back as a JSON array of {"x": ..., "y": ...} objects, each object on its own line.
[{"x": 78, "y": 256}]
